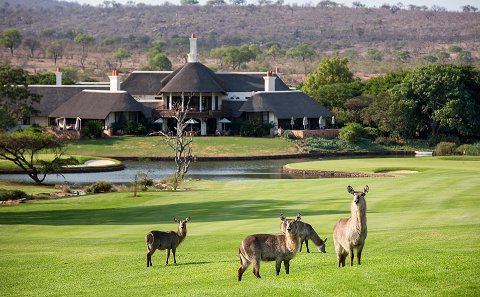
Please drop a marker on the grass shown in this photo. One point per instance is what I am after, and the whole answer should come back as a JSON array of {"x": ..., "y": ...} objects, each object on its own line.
[
  {"x": 202, "y": 146},
  {"x": 423, "y": 237}
]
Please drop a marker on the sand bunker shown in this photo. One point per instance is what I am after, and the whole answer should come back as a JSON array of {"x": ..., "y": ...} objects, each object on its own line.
[
  {"x": 400, "y": 171},
  {"x": 98, "y": 163}
]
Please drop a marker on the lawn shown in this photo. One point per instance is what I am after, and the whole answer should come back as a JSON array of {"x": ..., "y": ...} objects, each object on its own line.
[
  {"x": 423, "y": 237},
  {"x": 204, "y": 146}
]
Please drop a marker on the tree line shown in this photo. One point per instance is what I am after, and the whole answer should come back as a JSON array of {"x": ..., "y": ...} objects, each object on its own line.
[{"x": 433, "y": 102}]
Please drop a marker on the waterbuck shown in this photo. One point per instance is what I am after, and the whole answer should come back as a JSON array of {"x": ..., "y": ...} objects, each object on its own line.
[
  {"x": 306, "y": 233},
  {"x": 349, "y": 233},
  {"x": 166, "y": 240},
  {"x": 268, "y": 247}
]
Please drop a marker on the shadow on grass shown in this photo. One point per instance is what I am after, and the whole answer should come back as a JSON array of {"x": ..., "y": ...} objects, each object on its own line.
[{"x": 158, "y": 214}]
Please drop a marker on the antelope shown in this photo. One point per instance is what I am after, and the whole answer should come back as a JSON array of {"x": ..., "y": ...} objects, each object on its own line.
[
  {"x": 306, "y": 233},
  {"x": 268, "y": 247},
  {"x": 349, "y": 233},
  {"x": 166, "y": 240}
]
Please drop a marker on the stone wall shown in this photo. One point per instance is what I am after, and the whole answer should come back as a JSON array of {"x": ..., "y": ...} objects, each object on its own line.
[{"x": 301, "y": 134}]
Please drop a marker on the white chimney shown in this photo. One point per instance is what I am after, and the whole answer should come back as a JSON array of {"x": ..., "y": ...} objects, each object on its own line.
[
  {"x": 269, "y": 82},
  {"x": 58, "y": 77},
  {"x": 192, "y": 56},
  {"x": 114, "y": 81},
  {"x": 277, "y": 71}
]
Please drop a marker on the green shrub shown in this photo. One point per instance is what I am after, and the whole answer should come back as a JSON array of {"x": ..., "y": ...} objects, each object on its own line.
[
  {"x": 474, "y": 149},
  {"x": 11, "y": 194},
  {"x": 93, "y": 129},
  {"x": 134, "y": 128},
  {"x": 445, "y": 148},
  {"x": 462, "y": 149},
  {"x": 352, "y": 132},
  {"x": 255, "y": 129},
  {"x": 100, "y": 187}
]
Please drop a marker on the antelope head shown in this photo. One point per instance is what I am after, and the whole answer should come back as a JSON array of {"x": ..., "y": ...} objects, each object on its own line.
[
  {"x": 358, "y": 197},
  {"x": 321, "y": 248},
  {"x": 292, "y": 226},
  {"x": 182, "y": 224}
]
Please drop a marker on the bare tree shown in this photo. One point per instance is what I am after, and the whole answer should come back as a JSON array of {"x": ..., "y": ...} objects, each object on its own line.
[{"x": 181, "y": 143}]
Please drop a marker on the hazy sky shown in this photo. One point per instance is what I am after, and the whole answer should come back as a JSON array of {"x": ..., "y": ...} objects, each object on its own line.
[{"x": 453, "y": 5}]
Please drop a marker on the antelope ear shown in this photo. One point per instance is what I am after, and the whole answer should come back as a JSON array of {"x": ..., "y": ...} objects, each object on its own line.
[
  {"x": 365, "y": 190},
  {"x": 282, "y": 217},
  {"x": 187, "y": 219},
  {"x": 350, "y": 190},
  {"x": 325, "y": 240},
  {"x": 175, "y": 219},
  {"x": 299, "y": 216}
]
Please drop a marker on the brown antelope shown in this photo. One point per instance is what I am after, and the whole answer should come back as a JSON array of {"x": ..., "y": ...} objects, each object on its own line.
[
  {"x": 349, "y": 233},
  {"x": 166, "y": 240},
  {"x": 306, "y": 233},
  {"x": 268, "y": 247}
]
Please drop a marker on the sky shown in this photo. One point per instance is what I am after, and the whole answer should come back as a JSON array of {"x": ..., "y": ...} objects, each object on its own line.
[{"x": 452, "y": 5}]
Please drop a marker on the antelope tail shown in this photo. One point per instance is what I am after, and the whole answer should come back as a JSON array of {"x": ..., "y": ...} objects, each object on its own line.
[{"x": 149, "y": 240}]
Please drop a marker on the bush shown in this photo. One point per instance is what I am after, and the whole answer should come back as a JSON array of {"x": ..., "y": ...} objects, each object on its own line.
[
  {"x": 462, "y": 149},
  {"x": 100, "y": 187},
  {"x": 352, "y": 132},
  {"x": 134, "y": 128},
  {"x": 474, "y": 149},
  {"x": 93, "y": 129},
  {"x": 11, "y": 194},
  {"x": 445, "y": 149},
  {"x": 255, "y": 129}
]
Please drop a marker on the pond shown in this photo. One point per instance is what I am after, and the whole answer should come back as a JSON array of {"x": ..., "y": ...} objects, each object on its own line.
[{"x": 212, "y": 170}]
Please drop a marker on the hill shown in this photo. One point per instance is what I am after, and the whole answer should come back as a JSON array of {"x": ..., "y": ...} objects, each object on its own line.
[{"x": 331, "y": 31}]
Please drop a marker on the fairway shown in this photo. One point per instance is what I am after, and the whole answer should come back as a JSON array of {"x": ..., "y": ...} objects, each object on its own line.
[
  {"x": 423, "y": 236},
  {"x": 203, "y": 146}
]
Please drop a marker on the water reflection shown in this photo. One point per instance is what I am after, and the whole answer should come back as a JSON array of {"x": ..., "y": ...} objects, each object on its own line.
[{"x": 219, "y": 170}]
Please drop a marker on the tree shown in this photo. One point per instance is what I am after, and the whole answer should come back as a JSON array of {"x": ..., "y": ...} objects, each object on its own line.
[
  {"x": 335, "y": 94},
  {"x": 120, "y": 55},
  {"x": 304, "y": 52},
  {"x": 235, "y": 56},
  {"x": 275, "y": 50},
  {"x": 85, "y": 40},
  {"x": 445, "y": 99},
  {"x": 329, "y": 71},
  {"x": 180, "y": 143},
  {"x": 357, "y": 4},
  {"x": 55, "y": 50},
  {"x": 32, "y": 44},
  {"x": 15, "y": 98},
  {"x": 11, "y": 39},
  {"x": 215, "y": 2},
  {"x": 47, "y": 78},
  {"x": 238, "y": 2},
  {"x": 403, "y": 55},
  {"x": 36, "y": 153},
  {"x": 454, "y": 48},
  {"x": 159, "y": 61},
  {"x": 465, "y": 57},
  {"x": 374, "y": 54},
  {"x": 188, "y": 2},
  {"x": 469, "y": 8}
]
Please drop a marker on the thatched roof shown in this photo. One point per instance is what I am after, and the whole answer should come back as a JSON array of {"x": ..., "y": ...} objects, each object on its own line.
[
  {"x": 53, "y": 96},
  {"x": 248, "y": 81},
  {"x": 285, "y": 104},
  {"x": 144, "y": 82},
  {"x": 195, "y": 77},
  {"x": 192, "y": 77},
  {"x": 98, "y": 104},
  {"x": 231, "y": 108}
]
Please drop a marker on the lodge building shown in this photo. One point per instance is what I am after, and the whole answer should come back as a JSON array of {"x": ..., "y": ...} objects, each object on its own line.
[{"x": 212, "y": 98}]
